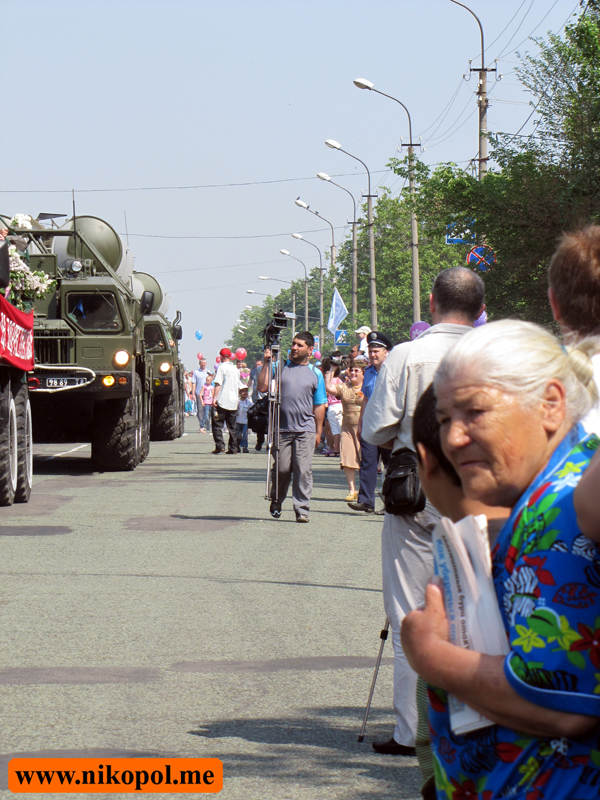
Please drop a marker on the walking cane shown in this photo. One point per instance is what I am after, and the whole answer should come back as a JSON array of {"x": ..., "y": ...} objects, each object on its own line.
[{"x": 383, "y": 636}]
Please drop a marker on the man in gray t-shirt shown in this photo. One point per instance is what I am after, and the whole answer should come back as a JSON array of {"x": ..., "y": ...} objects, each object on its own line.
[{"x": 302, "y": 411}]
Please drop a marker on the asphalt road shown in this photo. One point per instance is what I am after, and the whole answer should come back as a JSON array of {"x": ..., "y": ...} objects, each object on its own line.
[{"x": 164, "y": 613}]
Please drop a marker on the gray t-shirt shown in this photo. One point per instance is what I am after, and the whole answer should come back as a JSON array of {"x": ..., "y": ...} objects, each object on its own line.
[{"x": 301, "y": 389}]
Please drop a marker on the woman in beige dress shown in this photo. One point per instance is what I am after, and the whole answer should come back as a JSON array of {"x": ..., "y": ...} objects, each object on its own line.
[{"x": 352, "y": 398}]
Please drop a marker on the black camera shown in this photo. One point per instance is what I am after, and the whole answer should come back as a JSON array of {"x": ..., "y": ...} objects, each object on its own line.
[
  {"x": 336, "y": 358},
  {"x": 278, "y": 323}
]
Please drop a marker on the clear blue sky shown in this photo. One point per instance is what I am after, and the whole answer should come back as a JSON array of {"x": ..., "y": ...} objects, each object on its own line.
[{"x": 117, "y": 96}]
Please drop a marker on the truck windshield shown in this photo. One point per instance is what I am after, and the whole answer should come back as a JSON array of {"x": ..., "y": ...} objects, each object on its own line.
[
  {"x": 94, "y": 311},
  {"x": 153, "y": 339}
]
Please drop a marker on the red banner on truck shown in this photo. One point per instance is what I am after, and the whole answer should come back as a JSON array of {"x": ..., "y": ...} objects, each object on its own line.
[{"x": 16, "y": 336}]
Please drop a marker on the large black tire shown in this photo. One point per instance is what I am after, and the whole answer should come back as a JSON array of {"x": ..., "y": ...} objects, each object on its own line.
[
  {"x": 118, "y": 432},
  {"x": 181, "y": 411},
  {"x": 165, "y": 423},
  {"x": 20, "y": 394},
  {"x": 145, "y": 429},
  {"x": 8, "y": 443}
]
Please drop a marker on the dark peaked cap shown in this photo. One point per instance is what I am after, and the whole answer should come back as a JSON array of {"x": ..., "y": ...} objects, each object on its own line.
[{"x": 378, "y": 338}]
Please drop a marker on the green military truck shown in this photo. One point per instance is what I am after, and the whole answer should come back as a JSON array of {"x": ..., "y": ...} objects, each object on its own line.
[
  {"x": 162, "y": 338},
  {"x": 93, "y": 375}
]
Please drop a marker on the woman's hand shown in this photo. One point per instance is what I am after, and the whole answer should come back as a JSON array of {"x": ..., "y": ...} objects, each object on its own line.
[{"x": 423, "y": 631}]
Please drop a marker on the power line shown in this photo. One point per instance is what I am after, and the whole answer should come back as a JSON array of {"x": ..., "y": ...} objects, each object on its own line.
[
  {"x": 226, "y": 266},
  {"x": 179, "y": 188},
  {"x": 447, "y": 106},
  {"x": 506, "y": 26},
  {"x": 505, "y": 48},
  {"x": 253, "y": 236}
]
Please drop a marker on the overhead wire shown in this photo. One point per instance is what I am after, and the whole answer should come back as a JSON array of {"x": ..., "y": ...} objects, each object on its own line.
[{"x": 177, "y": 188}]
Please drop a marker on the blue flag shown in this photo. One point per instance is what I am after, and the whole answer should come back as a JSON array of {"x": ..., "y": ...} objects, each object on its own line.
[{"x": 338, "y": 312}]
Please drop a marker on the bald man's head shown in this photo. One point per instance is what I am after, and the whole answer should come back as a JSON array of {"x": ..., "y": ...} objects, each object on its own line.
[{"x": 458, "y": 292}]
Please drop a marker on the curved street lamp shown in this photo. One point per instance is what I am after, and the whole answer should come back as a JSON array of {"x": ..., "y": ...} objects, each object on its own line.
[
  {"x": 362, "y": 83},
  {"x": 323, "y": 176},
  {"x": 337, "y": 146},
  {"x": 312, "y": 244},
  {"x": 287, "y": 253}
]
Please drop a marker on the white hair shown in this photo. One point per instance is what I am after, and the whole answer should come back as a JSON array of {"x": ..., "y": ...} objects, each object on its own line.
[{"x": 520, "y": 358}]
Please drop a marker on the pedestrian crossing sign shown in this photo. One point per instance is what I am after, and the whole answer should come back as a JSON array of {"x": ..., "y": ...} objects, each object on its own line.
[{"x": 341, "y": 339}]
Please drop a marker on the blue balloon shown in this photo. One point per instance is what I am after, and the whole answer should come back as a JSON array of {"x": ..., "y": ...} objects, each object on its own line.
[{"x": 198, "y": 335}]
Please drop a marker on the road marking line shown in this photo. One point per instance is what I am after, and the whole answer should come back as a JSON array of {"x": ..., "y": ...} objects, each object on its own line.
[{"x": 66, "y": 453}]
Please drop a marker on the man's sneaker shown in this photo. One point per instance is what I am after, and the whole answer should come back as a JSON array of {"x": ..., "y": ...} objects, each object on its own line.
[
  {"x": 275, "y": 509},
  {"x": 362, "y": 507},
  {"x": 245, "y": 450},
  {"x": 301, "y": 518},
  {"x": 257, "y": 448},
  {"x": 216, "y": 451}
]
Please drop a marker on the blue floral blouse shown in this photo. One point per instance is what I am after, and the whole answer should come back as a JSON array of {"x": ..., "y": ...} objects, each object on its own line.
[{"x": 547, "y": 579}]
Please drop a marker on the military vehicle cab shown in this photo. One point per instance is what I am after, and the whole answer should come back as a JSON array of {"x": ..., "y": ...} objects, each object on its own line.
[
  {"x": 162, "y": 343},
  {"x": 93, "y": 375}
]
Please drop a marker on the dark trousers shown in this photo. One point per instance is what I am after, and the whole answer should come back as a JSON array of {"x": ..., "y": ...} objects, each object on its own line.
[
  {"x": 220, "y": 417},
  {"x": 369, "y": 457}
]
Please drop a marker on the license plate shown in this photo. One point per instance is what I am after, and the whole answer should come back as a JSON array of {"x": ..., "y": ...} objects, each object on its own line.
[{"x": 59, "y": 383}]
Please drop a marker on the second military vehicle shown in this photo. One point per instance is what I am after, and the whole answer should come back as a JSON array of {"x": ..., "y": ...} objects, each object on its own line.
[{"x": 161, "y": 338}]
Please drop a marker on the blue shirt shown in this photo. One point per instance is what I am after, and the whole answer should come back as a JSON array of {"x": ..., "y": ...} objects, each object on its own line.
[
  {"x": 369, "y": 379},
  {"x": 302, "y": 387},
  {"x": 547, "y": 579}
]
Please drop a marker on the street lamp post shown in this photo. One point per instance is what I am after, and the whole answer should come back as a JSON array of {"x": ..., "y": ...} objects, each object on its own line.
[
  {"x": 361, "y": 83},
  {"x": 324, "y": 177},
  {"x": 482, "y": 101},
  {"x": 337, "y": 146},
  {"x": 289, "y": 283},
  {"x": 303, "y": 205},
  {"x": 287, "y": 253},
  {"x": 299, "y": 236}
]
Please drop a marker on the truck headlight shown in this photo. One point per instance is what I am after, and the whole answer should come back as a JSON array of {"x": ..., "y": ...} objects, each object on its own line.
[
  {"x": 165, "y": 366},
  {"x": 121, "y": 358}
]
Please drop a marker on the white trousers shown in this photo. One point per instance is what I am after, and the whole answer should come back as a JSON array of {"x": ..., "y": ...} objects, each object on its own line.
[{"x": 407, "y": 566}]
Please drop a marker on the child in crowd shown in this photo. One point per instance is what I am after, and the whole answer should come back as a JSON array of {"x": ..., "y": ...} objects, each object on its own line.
[
  {"x": 206, "y": 398},
  {"x": 242, "y": 419}
]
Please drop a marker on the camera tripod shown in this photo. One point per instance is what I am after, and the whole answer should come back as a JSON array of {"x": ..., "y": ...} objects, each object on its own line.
[{"x": 274, "y": 395}]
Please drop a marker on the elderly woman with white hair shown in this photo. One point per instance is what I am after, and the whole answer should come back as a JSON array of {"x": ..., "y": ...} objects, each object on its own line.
[{"x": 509, "y": 400}]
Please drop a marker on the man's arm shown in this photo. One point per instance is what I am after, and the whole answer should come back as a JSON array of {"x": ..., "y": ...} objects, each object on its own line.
[
  {"x": 361, "y": 415},
  {"x": 319, "y": 412},
  {"x": 385, "y": 409},
  {"x": 262, "y": 383},
  {"x": 477, "y": 679}
]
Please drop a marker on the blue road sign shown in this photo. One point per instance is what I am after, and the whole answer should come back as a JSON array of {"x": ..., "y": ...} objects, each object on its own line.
[{"x": 341, "y": 339}]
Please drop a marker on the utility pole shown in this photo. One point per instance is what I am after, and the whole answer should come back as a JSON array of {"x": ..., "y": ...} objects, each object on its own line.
[
  {"x": 362, "y": 83},
  {"x": 294, "y": 313},
  {"x": 371, "y": 257},
  {"x": 482, "y": 99},
  {"x": 372, "y": 280},
  {"x": 354, "y": 272}
]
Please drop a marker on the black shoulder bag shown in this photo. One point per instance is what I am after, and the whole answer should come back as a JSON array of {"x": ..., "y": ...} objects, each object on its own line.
[{"x": 401, "y": 492}]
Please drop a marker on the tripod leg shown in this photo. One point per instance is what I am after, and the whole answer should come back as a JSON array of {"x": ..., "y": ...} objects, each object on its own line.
[{"x": 383, "y": 636}]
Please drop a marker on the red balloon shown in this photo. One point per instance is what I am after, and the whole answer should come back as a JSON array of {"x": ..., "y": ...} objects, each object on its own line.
[
  {"x": 200, "y": 356},
  {"x": 218, "y": 359},
  {"x": 240, "y": 354}
]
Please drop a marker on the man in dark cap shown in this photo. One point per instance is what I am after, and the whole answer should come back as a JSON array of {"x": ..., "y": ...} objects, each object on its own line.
[{"x": 379, "y": 346}]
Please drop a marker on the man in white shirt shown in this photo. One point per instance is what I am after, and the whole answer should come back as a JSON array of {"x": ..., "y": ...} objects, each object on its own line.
[
  {"x": 456, "y": 301},
  {"x": 225, "y": 403},
  {"x": 574, "y": 295}
]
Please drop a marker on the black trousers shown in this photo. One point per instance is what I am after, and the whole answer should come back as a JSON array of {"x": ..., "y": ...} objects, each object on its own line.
[
  {"x": 369, "y": 456},
  {"x": 220, "y": 417}
]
